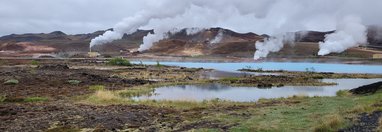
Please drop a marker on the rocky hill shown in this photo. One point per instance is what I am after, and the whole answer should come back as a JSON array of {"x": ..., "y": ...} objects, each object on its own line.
[{"x": 199, "y": 42}]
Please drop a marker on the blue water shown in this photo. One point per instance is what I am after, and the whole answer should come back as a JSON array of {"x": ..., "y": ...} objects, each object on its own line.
[{"x": 289, "y": 66}]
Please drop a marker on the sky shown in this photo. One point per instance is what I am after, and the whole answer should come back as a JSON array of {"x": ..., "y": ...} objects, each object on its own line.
[
  {"x": 259, "y": 16},
  {"x": 69, "y": 16}
]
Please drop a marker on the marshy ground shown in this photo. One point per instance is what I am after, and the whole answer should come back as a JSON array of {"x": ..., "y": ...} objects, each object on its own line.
[{"x": 89, "y": 95}]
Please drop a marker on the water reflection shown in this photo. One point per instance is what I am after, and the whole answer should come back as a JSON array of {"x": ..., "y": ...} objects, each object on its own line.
[{"x": 248, "y": 94}]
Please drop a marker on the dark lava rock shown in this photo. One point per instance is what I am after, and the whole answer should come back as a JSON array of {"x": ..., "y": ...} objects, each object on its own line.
[
  {"x": 264, "y": 85},
  {"x": 54, "y": 67},
  {"x": 366, "y": 123},
  {"x": 367, "y": 89}
]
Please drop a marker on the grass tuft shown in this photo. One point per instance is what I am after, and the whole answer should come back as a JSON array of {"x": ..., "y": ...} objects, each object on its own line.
[
  {"x": 2, "y": 98},
  {"x": 74, "y": 82},
  {"x": 343, "y": 93},
  {"x": 104, "y": 97},
  {"x": 11, "y": 82},
  {"x": 119, "y": 62},
  {"x": 34, "y": 63},
  {"x": 330, "y": 123},
  {"x": 36, "y": 99},
  {"x": 97, "y": 87}
]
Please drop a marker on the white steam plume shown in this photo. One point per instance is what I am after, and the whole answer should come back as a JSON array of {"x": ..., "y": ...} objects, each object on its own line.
[
  {"x": 259, "y": 16},
  {"x": 193, "y": 31},
  {"x": 350, "y": 33},
  {"x": 218, "y": 37},
  {"x": 272, "y": 44},
  {"x": 127, "y": 25}
]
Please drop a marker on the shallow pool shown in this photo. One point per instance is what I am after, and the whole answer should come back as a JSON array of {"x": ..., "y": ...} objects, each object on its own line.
[
  {"x": 248, "y": 94},
  {"x": 289, "y": 66}
]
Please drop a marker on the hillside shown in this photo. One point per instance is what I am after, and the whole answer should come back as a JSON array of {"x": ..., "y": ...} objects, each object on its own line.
[{"x": 217, "y": 42}]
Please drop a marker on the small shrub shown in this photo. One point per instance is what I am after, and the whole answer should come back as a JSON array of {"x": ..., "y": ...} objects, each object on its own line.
[
  {"x": 119, "y": 62},
  {"x": 35, "y": 63},
  {"x": 97, "y": 87},
  {"x": 74, "y": 82},
  {"x": 343, "y": 93},
  {"x": 11, "y": 82},
  {"x": 331, "y": 123},
  {"x": 36, "y": 99},
  {"x": 2, "y": 98},
  {"x": 158, "y": 64}
]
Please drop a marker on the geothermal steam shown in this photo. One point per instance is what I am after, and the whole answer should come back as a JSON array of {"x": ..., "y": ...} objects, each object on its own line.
[
  {"x": 259, "y": 16},
  {"x": 218, "y": 37},
  {"x": 272, "y": 44},
  {"x": 350, "y": 33}
]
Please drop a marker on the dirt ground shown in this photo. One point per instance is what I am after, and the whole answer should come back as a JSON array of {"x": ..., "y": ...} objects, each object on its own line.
[{"x": 51, "y": 79}]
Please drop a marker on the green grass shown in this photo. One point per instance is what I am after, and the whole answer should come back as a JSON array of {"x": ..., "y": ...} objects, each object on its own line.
[
  {"x": 296, "y": 113},
  {"x": 97, "y": 87},
  {"x": 35, "y": 63},
  {"x": 343, "y": 93},
  {"x": 2, "y": 98},
  {"x": 159, "y": 65},
  {"x": 11, "y": 82},
  {"x": 119, "y": 62},
  {"x": 74, "y": 82},
  {"x": 36, "y": 99}
]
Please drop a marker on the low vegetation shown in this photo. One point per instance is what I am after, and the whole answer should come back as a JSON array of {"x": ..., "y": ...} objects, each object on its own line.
[
  {"x": 296, "y": 113},
  {"x": 97, "y": 87},
  {"x": 2, "y": 98},
  {"x": 36, "y": 99},
  {"x": 158, "y": 64},
  {"x": 330, "y": 123},
  {"x": 74, "y": 82},
  {"x": 272, "y": 81},
  {"x": 119, "y": 62},
  {"x": 34, "y": 63},
  {"x": 11, "y": 82},
  {"x": 343, "y": 93}
]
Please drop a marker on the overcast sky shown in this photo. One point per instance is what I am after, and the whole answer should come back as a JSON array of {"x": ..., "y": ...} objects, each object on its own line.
[
  {"x": 70, "y": 16},
  {"x": 259, "y": 16}
]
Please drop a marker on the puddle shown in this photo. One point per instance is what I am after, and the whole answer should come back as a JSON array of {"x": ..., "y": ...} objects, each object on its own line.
[{"x": 249, "y": 94}]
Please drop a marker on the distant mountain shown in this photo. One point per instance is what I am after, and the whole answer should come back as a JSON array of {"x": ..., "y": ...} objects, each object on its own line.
[
  {"x": 184, "y": 42},
  {"x": 62, "y": 42},
  {"x": 311, "y": 36},
  {"x": 213, "y": 41}
]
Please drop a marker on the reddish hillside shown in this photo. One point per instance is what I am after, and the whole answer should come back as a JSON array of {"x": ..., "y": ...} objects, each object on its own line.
[
  {"x": 212, "y": 42},
  {"x": 205, "y": 42}
]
